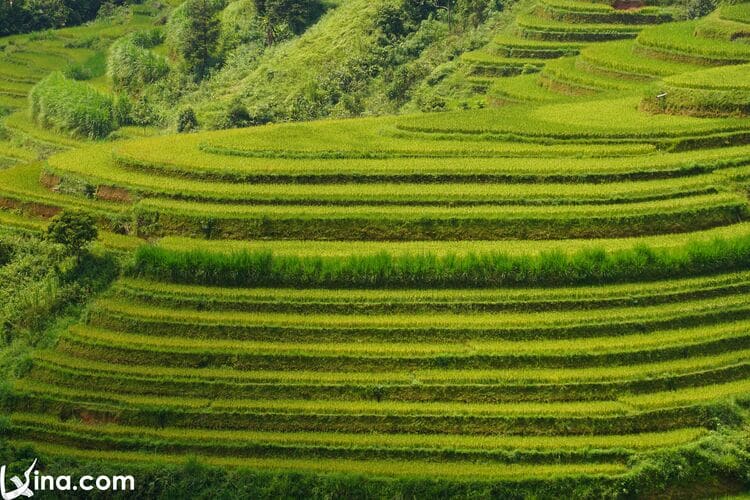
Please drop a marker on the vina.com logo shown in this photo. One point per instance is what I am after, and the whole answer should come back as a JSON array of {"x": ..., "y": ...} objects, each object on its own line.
[{"x": 33, "y": 482}]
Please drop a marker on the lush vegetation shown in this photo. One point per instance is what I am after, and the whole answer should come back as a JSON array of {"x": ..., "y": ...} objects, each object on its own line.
[
  {"x": 530, "y": 281},
  {"x": 489, "y": 270},
  {"x": 131, "y": 65},
  {"x": 70, "y": 106},
  {"x": 22, "y": 16}
]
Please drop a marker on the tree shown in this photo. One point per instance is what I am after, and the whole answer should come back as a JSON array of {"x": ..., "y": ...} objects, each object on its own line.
[
  {"x": 293, "y": 14},
  {"x": 473, "y": 11},
  {"x": 418, "y": 10},
  {"x": 198, "y": 45},
  {"x": 74, "y": 230}
]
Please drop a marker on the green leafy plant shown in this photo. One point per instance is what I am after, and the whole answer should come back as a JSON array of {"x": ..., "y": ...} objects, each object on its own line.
[{"x": 75, "y": 230}]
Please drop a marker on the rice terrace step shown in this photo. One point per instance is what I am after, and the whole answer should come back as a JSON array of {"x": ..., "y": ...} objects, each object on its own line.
[{"x": 375, "y": 249}]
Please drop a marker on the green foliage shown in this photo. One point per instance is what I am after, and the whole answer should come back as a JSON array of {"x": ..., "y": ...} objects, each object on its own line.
[
  {"x": 71, "y": 106},
  {"x": 715, "y": 466},
  {"x": 360, "y": 57},
  {"x": 473, "y": 12},
  {"x": 375, "y": 355},
  {"x": 238, "y": 116},
  {"x": 197, "y": 41},
  {"x": 93, "y": 67},
  {"x": 239, "y": 27},
  {"x": 6, "y": 252},
  {"x": 186, "y": 120},
  {"x": 131, "y": 66},
  {"x": 74, "y": 230},
  {"x": 147, "y": 39},
  {"x": 123, "y": 110},
  {"x": 480, "y": 270},
  {"x": 39, "y": 281},
  {"x": 699, "y": 8},
  {"x": 294, "y": 15},
  {"x": 722, "y": 91},
  {"x": 22, "y": 16}
]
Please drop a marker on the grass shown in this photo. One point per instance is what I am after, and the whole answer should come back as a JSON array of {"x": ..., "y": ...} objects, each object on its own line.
[
  {"x": 738, "y": 12},
  {"x": 536, "y": 28},
  {"x": 724, "y": 78},
  {"x": 676, "y": 41},
  {"x": 326, "y": 249},
  {"x": 620, "y": 58},
  {"x": 709, "y": 92},
  {"x": 89, "y": 170},
  {"x": 22, "y": 184},
  {"x": 548, "y": 289},
  {"x": 565, "y": 74},
  {"x": 633, "y": 441},
  {"x": 555, "y": 350},
  {"x": 72, "y": 107},
  {"x": 156, "y": 217},
  {"x": 615, "y": 119},
  {"x": 372, "y": 467},
  {"x": 338, "y": 409},
  {"x": 523, "y": 88},
  {"x": 312, "y": 365},
  {"x": 468, "y": 299},
  {"x": 488, "y": 270},
  {"x": 517, "y": 47},
  {"x": 20, "y": 124},
  {"x": 402, "y": 327},
  {"x": 571, "y": 11}
]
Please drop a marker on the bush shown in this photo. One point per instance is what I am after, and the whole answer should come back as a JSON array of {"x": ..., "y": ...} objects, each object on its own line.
[
  {"x": 123, "y": 110},
  {"x": 71, "y": 106},
  {"x": 131, "y": 67},
  {"x": 6, "y": 253},
  {"x": 237, "y": 116},
  {"x": 699, "y": 8},
  {"x": 147, "y": 39},
  {"x": 39, "y": 281},
  {"x": 186, "y": 120},
  {"x": 74, "y": 230}
]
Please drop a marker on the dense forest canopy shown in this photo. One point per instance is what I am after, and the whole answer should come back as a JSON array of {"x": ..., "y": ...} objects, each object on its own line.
[{"x": 23, "y": 16}]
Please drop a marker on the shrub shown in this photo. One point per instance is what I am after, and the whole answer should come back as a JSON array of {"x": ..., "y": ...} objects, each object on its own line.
[
  {"x": 71, "y": 106},
  {"x": 699, "y": 8},
  {"x": 39, "y": 281},
  {"x": 6, "y": 253},
  {"x": 186, "y": 120},
  {"x": 78, "y": 72},
  {"x": 93, "y": 67},
  {"x": 74, "y": 230},
  {"x": 130, "y": 66},
  {"x": 237, "y": 116},
  {"x": 123, "y": 110},
  {"x": 148, "y": 38}
]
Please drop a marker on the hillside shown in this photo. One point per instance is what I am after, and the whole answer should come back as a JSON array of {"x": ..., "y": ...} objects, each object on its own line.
[{"x": 540, "y": 291}]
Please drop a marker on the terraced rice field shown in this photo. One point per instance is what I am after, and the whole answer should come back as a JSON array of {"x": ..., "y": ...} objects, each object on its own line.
[{"x": 314, "y": 295}]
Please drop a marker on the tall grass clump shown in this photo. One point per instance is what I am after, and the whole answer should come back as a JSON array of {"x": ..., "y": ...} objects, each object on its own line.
[
  {"x": 71, "y": 106},
  {"x": 131, "y": 65},
  {"x": 588, "y": 266}
]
